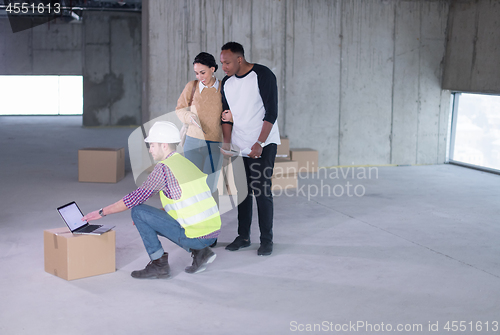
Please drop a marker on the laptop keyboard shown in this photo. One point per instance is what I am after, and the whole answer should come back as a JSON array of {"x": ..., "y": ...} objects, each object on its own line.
[{"x": 89, "y": 229}]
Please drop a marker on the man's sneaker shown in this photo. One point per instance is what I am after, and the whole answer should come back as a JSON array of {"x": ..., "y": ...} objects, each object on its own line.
[
  {"x": 158, "y": 268},
  {"x": 265, "y": 249},
  {"x": 200, "y": 260},
  {"x": 238, "y": 243}
]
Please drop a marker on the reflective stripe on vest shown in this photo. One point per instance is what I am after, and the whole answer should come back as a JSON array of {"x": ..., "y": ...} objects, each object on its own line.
[
  {"x": 188, "y": 202},
  {"x": 198, "y": 217}
]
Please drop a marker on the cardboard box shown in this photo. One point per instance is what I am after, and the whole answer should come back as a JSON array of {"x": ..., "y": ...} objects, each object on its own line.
[
  {"x": 71, "y": 256},
  {"x": 284, "y": 167},
  {"x": 284, "y": 148},
  {"x": 306, "y": 158},
  {"x": 284, "y": 174},
  {"x": 284, "y": 182},
  {"x": 101, "y": 165}
]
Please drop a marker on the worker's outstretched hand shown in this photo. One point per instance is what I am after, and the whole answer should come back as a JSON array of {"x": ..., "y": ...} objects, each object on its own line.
[{"x": 92, "y": 216}]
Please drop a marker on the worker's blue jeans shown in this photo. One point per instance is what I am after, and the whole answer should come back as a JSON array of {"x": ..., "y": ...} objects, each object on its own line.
[{"x": 151, "y": 222}]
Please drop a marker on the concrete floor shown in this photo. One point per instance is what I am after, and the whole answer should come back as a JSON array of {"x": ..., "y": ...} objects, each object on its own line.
[{"x": 421, "y": 246}]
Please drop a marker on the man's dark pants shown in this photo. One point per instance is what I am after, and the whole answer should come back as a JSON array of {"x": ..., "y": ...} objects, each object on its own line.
[{"x": 258, "y": 174}]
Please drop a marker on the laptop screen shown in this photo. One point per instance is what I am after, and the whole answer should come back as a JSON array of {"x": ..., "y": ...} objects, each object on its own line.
[{"x": 72, "y": 215}]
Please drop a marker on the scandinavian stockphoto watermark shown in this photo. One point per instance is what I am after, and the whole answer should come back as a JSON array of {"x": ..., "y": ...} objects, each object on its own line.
[
  {"x": 349, "y": 181},
  {"x": 357, "y": 326},
  {"x": 376, "y": 327}
]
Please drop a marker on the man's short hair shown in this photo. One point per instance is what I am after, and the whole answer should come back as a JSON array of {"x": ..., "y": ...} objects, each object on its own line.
[
  {"x": 234, "y": 47},
  {"x": 172, "y": 146}
]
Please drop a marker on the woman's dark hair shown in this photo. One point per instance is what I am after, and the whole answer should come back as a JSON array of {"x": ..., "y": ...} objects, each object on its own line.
[{"x": 207, "y": 59}]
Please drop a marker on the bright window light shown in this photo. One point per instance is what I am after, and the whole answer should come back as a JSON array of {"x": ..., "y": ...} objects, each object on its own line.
[
  {"x": 477, "y": 134},
  {"x": 41, "y": 95}
]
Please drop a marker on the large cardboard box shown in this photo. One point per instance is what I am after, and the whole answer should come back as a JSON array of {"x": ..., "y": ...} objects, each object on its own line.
[
  {"x": 284, "y": 167},
  {"x": 283, "y": 148},
  {"x": 284, "y": 182},
  {"x": 101, "y": 165},
  {"x": 284, "y": 174},
  {"x": 78, "y": 256},
  {"x": 306, "y": 158}
]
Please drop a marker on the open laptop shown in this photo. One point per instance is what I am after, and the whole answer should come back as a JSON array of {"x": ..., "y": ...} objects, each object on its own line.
[{"x": 72, "y": 216}]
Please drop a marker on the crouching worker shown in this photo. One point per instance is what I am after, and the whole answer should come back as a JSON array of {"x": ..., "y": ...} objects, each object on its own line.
[{"x": 190, "y": 217}]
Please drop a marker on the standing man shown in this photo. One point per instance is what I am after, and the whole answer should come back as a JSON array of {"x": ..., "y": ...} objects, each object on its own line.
[
  {"x": 250, "y": 104},
  {"x": 190, "y": 217}
]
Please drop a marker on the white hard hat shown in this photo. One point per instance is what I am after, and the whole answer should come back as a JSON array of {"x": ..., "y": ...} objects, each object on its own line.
[{"x": 163, "y": 132}]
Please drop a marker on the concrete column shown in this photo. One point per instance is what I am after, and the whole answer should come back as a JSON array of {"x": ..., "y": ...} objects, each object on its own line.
[
  {"x": 312, "y": 76},
  {"x": 472, "y": 51},
  {"x": 112, "y": 69}
]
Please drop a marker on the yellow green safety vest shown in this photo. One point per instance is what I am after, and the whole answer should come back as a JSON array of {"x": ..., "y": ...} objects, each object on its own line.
[{"x": 196, "y": 210}]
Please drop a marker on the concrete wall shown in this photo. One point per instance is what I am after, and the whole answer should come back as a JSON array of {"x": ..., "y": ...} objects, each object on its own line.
[
  {"x": 473, "y": 48},
  {"x": 112, "y": 74},
  {"x": 105, "y": 48},
  {"x": 359, "y": 80},
  {"x": 54, "y": 48}
]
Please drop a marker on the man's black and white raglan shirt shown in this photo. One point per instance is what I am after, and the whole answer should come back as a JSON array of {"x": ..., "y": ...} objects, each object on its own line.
[{"x": 252, "y": 99}]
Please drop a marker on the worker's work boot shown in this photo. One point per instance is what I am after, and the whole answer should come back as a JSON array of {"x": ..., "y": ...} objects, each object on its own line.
[
  {"x": 158, "y": 268},
  {"x": 200, "y": 260}
]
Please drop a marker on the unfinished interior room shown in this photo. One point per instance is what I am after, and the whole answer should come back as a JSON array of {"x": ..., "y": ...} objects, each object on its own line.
[{"x": 336, "y": 169}]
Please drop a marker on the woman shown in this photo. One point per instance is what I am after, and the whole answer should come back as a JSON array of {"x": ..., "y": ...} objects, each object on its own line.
[{"x": 204, "y": 135}]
